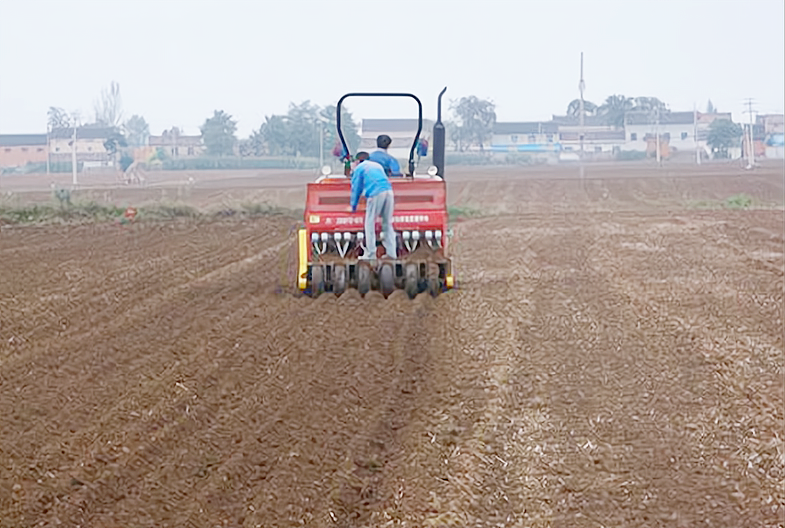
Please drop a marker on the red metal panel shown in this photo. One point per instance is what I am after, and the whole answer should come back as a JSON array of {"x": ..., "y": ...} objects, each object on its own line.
[{"x": 419, "y": 205}]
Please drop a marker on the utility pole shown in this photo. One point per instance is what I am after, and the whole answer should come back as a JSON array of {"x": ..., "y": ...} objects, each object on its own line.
[
  {"x": 695, "y": 133},
  {"x": 48, "y": 153},
  {"x": 582, "y": 112},
  {"x": 751, "y": 143},
  {"x": 321, "y": 145},
  {"x": 73, "y": 156},
  {"x": 657, "y": 133},
  {"x": 320, "y": 120}
]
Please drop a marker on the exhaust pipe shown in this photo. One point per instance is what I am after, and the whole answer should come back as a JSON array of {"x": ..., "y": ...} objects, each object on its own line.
[{"x": 439, "y": 137}]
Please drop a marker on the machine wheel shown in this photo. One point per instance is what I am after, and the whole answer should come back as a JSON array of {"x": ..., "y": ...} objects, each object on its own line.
[
  {"x": 410, "y": 280},
  {"x": 434, "y": 287},
  {"x": 363, "y": 278},
  {"x": 339, "y": 279},
  {"x": 386, "y": 279},
  {"x": 434, "y": 283},
  {"x": 317, "y": 281}
]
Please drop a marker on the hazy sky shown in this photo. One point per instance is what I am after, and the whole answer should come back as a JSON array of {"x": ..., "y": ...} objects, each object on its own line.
[{"x": 178, "y": 60}]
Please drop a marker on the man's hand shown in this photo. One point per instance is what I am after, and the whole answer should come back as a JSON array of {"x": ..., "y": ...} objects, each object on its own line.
[{"x": 349, "y": 209}]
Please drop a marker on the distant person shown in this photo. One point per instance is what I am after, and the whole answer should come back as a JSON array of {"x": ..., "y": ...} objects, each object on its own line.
[
  {"x": 422, "y": 149},
  {"x": 383, "y": 158},
  {"x": 370, "y": 179},
  {"x": 338, "y": 150}
]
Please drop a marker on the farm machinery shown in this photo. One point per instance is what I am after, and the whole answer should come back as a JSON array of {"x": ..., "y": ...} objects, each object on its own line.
[{"x": 332, "y": 239}]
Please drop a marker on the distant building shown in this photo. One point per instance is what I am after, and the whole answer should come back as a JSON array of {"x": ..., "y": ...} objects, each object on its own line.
[
  {"x": 178, "y": 145},
  {"x": 401, "y": 131},
  {"x": 775, "y": 146},
  {"x": 772, "y": 123},
  {"x": 527, "y": 136},
  {"x": 600, "y": 140},
  {"x": 90, "y": 150},
  {"x": 774, "y": 135},
  {"x": 18, "y": 150},
  {"x": 680, "y": 128}
]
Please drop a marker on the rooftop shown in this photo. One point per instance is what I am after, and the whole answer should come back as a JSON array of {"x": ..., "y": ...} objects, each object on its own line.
[
  {"x": 527, "y": 127},
  {"x": 594, "y": 135},
  {"x": 84, "y": 132},
  {"x": 22, "y": 140},
  {"x": 166, "y": 140},
  {"x": 393, "y": 125},
  {"x": 589, "y": 120},
  {"x": 665, "y": 118}
]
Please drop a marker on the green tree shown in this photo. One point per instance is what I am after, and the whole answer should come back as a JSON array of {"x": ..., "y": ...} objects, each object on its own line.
[
  {"x": 298, "y": 132},
  {"x": 58, "y": 118},
  {"x": 615, "y": 108},
  {"x": 574, "y": 108},
  {"x": 348, "y": 125},
  {"x": 114, "y": 143},
  {"x": 476, "y": 118},
  {"x": 126, "y": 160},
  {"x": 254, "y": 146},
  {"x": 723, "y": 134},
  {"x": 303, "y": 132},
  {"x": 274, "y": 132},
  {"x": 649, "y": 105},
  {"x": 710, "y": 108},
  {"x": 456, "y": 135},
  {"x": 137, "y": 130},
  {"x": 108, "y": 107},
  {"x": 218, "y": 134}
]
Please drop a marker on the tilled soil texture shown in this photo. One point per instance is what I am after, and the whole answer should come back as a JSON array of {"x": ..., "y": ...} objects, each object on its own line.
[
  {"x": 541, "y": 189},
  {"x": 592, "y": 369}
]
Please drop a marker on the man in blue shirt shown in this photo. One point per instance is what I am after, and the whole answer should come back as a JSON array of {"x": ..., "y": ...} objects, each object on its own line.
[
  {"x": 383, "y": 158},
  {"x": 369, "y": 179}
]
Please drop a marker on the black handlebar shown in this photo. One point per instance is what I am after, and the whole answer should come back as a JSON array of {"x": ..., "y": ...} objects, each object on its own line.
[{"x": 374, "y": 94}]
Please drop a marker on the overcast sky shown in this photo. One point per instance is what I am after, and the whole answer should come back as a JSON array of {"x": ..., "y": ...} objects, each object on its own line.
[{"x": 178, "y": 60}]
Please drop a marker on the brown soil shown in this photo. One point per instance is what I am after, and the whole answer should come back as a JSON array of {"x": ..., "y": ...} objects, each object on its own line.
[{"x": 611, "y": 357}]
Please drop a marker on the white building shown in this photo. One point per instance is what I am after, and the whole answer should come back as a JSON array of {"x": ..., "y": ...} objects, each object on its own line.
[
  {"x": 599, "y": 140},
  {"x": 89, "y": 145},
  {"x": 677, "y": 127},
  {"x": 680, "y": 131},
  {"x": 402, "y": 133},
  {"x": 528, "y": 137}
]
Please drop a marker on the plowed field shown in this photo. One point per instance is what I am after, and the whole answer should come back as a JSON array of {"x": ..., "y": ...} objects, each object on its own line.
[{"x": 605, "y": 361}]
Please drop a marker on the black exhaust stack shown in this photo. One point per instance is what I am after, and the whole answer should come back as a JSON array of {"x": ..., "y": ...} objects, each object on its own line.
[{"x": 439, "y": 138}]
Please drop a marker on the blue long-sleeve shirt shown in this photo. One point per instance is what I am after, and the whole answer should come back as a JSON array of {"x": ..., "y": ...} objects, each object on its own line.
[
  {"x": 368, "y": 179},
  {"x": 390, "y": 164}
]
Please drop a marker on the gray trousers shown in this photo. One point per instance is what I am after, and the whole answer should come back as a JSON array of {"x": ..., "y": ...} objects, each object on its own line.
[{"x": 380, "y": 205}]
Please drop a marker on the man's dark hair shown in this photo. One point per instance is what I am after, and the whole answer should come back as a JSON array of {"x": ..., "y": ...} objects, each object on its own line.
[
  {"x": 383, "y": 141},
  {"x": 362, "y": 156}
]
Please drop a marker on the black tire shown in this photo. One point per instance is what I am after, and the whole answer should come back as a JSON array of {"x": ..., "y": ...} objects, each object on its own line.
[
  {"x": 317, "y": 280},
  {"x": 410, "y": 281},
  {"x": 386, "y": 280},
  {"x": 339, "y": 279},
  {"x": 434, "y": 287},
  {"x": 363, "y": 278}
]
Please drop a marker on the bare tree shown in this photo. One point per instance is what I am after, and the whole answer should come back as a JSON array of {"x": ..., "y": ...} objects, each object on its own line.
[
  {"x": 58, "y": 118},
  {"x": 476, "y": 117},
  {"x": 108, "y": 108},
  {"x": 136, "y": 130}
]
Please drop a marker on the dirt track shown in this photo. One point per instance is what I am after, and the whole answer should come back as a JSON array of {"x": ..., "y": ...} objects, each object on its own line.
[{"x": 621, "y": 366}]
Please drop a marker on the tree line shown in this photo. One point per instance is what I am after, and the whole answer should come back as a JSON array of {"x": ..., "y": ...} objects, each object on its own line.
[{"x": 298, "y": 132}]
